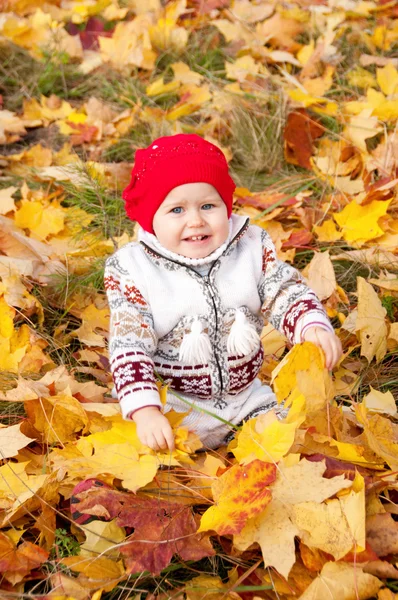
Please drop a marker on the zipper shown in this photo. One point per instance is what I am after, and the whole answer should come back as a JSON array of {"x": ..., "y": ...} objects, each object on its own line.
[
  {"x": 208, "y": 285},
  {"x": 206, "y": 279}
]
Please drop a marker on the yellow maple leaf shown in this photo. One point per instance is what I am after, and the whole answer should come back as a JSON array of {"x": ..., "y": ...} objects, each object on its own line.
[
  {"x": 344, "y": 516},
  {"x": 242, "y": 67},
  {"x": 371, "y": 322},
  {"x": 358, "y": 223},
  {"x": 16, "y": 486},
  {"x": 99, "y": 567},
  {"x": 59, "y": 418},
  {"x": 130, "y": 45},
  {"x": 240, "y": 493},
  {"x": 376, "y": 401},
  {"x": 275, "y": 529},
  {"x": 160, "y": 87},
  {"x": 318, "y": 86},
  {"x": 327, "y": 232},
  {"x": 266, "y": 437},
  {"x": 303, "y": 369},
  {"x": 102, "y": 539},
  {"x": 362, "y": 78},
  {"x": 7, "y": 314},
  {"x": 387, "y": 78},
  {"x": 41, "y": 220},
  {"x": 166, "y": 33},
  {"x": 362, "y": 127},
  {"x": 184, "y": 74},
  {"x": 192, "y": 97},
  {"x": 380, "y": 434}
]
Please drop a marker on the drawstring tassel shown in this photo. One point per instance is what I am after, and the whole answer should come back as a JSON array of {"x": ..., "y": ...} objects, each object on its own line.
[
  {"x": 195, "y": 347},
  {"x": 243, "y": 337}
]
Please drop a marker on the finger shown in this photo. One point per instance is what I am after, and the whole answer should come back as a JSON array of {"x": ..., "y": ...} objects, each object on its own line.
[
  {"x": 338, "y": 351},
  {"x": 169, "y": 436},
  {"x": 161, "y": 442},
  {"x": 327, "y": 350},
  {"x": 152, "y": 442}
]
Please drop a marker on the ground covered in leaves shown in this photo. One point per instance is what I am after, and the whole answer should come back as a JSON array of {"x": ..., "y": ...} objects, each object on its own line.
[{"x": 302, "y": 97}]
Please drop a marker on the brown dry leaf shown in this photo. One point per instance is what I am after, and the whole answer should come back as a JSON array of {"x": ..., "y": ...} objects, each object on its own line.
[
  {"x": 387, "y": 594},
  {"x": 382, "y": 534},
  {"x": 371, "y": 322},
  {"x": 380, "y": 402},
  {"x": 382, "y": 569},
  {"x": 300, "y": 132},
  {"x": 58, "y": 418},
  {"x": 342, "y": 581},
  {"x": 381, "y": 435},
  {"x": 320, "y": 275},
  {"x": 208, "y": 586},
  {"x": 12, "y": 440},
  {"x": 11, "y": 127}
]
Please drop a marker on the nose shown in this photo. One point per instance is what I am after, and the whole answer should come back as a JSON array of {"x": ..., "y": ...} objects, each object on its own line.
[{"x": 195, "y": 218}]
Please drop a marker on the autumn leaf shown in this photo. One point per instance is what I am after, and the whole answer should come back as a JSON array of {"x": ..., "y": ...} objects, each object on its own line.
[
  {"x": 344, "y": 582},
  {"x": 371, "y": 323},
  {"x": 240, "y": 493},
  {"x": 380, "y": 434},
  {"x": 381, "y": 402},
  {"x": 41, "y": 221},
  {"x": 303, "y": 369},
  {"x": 17, "y": 562},
  {"x": 275, "y": 529},
  {"x": 320, "y": 275},
  {"x": 58, "y": 418},
  {"x": 266, "y": 437},
  {"x": 12, "y": 440},
  {"x": 359, "y": 224},
  {"x": 161, "y": 528},
  {"x": 300, "y": 131}
]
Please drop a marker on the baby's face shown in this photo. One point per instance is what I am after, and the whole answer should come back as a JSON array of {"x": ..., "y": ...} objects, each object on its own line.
[{"x": 192, "y": 220}]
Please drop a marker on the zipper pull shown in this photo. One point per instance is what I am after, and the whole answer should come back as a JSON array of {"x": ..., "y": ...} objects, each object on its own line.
[{"x": 208, "y": 284}]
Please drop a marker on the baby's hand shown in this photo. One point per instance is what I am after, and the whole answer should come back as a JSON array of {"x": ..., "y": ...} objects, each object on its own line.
[
  {"x": 153, "y": 429},
  {"x": 328, "y": 342}
]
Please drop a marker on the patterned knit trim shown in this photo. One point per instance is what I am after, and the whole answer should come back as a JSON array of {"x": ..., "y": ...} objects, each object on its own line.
[{"x": 295, "y": 311}]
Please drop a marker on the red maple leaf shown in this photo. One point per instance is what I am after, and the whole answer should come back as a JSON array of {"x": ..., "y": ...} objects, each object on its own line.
[
  {"x": 85, "y": 133},
  {"x": 160, "y": 528}
]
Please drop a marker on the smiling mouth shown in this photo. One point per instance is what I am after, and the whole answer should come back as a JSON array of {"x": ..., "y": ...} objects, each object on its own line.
[{"x": 196, "y": 238}]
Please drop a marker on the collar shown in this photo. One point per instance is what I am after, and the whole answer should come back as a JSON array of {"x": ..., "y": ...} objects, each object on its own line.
[{"x": 236, "y": 224}]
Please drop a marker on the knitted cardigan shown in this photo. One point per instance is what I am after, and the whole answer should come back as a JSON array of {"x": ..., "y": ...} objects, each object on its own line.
[{"x": 160, "y": 304}]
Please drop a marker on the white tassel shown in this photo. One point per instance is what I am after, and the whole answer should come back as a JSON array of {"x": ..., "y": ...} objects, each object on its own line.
[
  {"x": 243, "y": 337},
  {"x": 195, "y": 347}
]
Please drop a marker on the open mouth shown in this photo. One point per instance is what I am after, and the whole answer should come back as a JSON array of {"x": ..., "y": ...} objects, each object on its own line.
[{"x": 196, "y": 238}]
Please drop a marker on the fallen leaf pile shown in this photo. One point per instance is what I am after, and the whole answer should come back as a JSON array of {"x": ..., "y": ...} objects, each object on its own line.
[{"x": 301, "y": 508}]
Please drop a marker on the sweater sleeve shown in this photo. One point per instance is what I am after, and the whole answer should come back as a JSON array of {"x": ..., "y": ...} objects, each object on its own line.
[
  {"x": 287, "y": 303},
  {"x": 132, "y": 341}
]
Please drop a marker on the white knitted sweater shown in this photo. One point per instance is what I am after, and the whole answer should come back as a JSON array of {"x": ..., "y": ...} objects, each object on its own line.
[{"x": 200, "y": 333}]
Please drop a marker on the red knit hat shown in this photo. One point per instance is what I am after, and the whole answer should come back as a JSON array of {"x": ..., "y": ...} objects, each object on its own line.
[{"x": 169, "y": 162}]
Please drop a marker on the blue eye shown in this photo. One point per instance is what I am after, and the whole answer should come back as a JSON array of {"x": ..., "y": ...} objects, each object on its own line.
[
  {"x": 177, "y": 210},
  {"x": 207, "y": 206}
]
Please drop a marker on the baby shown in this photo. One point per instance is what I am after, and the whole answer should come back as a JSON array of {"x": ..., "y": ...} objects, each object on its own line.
[{"x": 189, "y": 300}]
